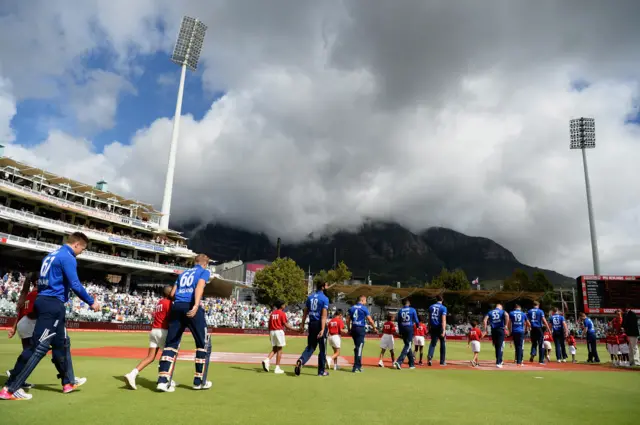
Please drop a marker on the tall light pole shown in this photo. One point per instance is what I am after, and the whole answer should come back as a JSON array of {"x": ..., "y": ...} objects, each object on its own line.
[
  {"x": 186, "y": 54},
  {"x": 583, "y": 136}
]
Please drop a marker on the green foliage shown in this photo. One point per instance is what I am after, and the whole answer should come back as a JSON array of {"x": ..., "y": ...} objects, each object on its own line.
[
  {"x": 382, "y": 300},
  {"x": 338, "y": 275},
  {"x": 453, "y": 280},
  {"x": 281, "y": 280},
  {"x": 518, "y": 281}
]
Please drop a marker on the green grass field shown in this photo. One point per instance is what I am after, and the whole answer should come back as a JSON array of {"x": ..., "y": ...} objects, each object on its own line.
[{"x": 244, "y": 394}]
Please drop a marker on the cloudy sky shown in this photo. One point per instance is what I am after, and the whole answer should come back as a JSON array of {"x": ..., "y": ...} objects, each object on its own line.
[{"x": 305, "y": 114}]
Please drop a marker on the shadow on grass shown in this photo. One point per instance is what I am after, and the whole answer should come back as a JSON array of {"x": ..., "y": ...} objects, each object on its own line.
[{"x": 258, "y": 370}]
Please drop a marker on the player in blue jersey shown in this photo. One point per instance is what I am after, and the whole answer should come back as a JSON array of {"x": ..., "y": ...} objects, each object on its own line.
[
  {"x": 560, "y": 332},
  {"x": 407, "y": 317},
  {"x": 316, "y": 309},
  {"x": 437, "y": 328},
  {"x": 187, "y": 312},
  {"x": 592, "y": 340},
  {"x": 58, "y": 275},
  {"x": 537, "y": 321},
  {"x": 519, "y": 325},
  {"x": 357, "y": 319},
  {"x": 498, "y": 320}
]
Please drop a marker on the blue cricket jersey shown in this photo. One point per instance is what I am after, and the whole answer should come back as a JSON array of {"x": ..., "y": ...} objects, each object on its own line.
[
  {"x": 497, "y": 318},
  {"x": 358, "y": 314},
  {"x": 58, "y": 274},
  {"x": 407, "y": 317},
  {"x": 588, "y": 324},
  {"x": 518, "y": 319},
  {"x": 317, "y": 302},
  {"x": 187, "y": 282},
  {"x": 535, "y": 317},
  {"x": 557, "y": 321},
  {"x": 435, "y": 314}
]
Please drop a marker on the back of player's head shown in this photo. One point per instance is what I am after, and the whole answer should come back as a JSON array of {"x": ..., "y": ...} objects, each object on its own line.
[
  {"x": 202, "y": 259},
  {"x": 338, "y": 312},
  {"x": 517, "y": 306},
  {"x": 407, "y": 302},
  {"x": 498, "y": 305},
  {"x": 572, "y": 333},
  {"x": 439, "y": 298},
  {"x": 583, "y": 314},
  {"x": 320, "y": 286},
  {"x": 362, "y": 299},
  {"x": 166, "y": 291},
  {"x": 390, "y": 316},
  {"x": 474, "y": 323},
  {"x": 278, "y": 304},
  {"x": 536, "y": 304},
  {"x": 554, "y": 310}
]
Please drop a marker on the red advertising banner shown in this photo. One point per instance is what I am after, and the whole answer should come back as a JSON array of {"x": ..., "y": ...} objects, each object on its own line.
[{"x": 250, "y": 273}]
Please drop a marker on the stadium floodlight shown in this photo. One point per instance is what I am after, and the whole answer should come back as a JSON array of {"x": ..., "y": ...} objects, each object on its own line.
[
  {"x": 186, "y": 54},
  {"x": 583, "y": 136}
]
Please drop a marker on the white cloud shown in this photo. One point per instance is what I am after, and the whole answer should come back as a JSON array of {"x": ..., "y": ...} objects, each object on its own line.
[
  {"x": 7, "y": 111},
  {"x": 426, "y": 114}
]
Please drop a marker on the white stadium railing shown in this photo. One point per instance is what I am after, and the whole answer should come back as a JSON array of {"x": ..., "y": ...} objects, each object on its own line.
[
  {"x": 97, "y": 234},
  {"x": 93, "y": 212},
  {"x": 89, "y": 255}
]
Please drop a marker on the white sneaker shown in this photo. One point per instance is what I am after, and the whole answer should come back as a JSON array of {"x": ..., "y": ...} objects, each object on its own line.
[
  {"x": 380, "y": 363},
  {"x": 278, "y": 371},
  {"x": 330, "y": 361},
  {"x": 397, "y": 365},
  {"x": 18, "y": 395},
  {"x": 265, "y": 365},
  {"x": 8, "y": 373},
  {"x": 335, "y": 366},
  {"x": 564, "y": 360},
  {"x": 499, "y": 366},
  {"x": 204, "y": 386},
  {"x": 79, "y": 382},
  {"x": 131, "y": 380},
  {"x": 166, "y": 387}
]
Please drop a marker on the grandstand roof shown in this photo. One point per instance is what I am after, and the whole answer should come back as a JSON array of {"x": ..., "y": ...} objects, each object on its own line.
[
  {"x": 473, "y": 295},
  {"x": 29, "y": 171}
]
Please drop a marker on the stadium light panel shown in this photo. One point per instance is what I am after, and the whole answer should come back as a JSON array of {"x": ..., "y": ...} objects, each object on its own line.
[
  {"x": 189, "y": 44},
  {"x": 582, "y": 133}
]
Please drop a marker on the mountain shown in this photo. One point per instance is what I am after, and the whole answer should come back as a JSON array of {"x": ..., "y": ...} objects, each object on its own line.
[{"x": 388, "y": 251}]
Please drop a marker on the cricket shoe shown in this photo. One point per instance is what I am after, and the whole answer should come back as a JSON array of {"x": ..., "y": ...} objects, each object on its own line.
[
  {"x": 278, "y": 371},
  {"x": 18, "y": 395},
  {"x": 380, "y": 364},
  {"x": 25, "y": 386},
  {"x": 298, "y": 368},
  {"x": 397, "y": 365},
  {"x": 265, "y": 365},
  {"x": 165, "y": 387},
  {"x": 68, "y": 388},
  {"x": 325, "y": 373},
  {"x": 130, "y": 379},
  {"x": 203, "y": 386},
  {"x": 499, "y": 365}
]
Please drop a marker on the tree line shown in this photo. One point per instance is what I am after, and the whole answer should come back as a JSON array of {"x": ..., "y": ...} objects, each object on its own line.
[{"x": 284, "y": 280}]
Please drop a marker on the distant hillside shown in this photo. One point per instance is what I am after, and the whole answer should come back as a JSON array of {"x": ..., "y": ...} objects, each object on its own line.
[{"x": 388, "y": 251}]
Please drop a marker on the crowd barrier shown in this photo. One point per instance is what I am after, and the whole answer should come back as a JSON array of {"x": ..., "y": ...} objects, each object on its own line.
[{"x": 72, "y": 325}]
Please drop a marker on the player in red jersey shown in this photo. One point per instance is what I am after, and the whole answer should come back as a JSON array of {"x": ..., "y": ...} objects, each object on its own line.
[
  {"x": 623, "y": 343},
  {"x": 571, "y": 342},
  {"x": 419, "y": 332},
  {"x": 613, "y": 346},
  {"x": 546, "y": 343},
  {"x": 616, "y": 323},
  {"x": 336, "y": 328},
  {"x": 473, "y": 340},
  {"x": 157, "y": 336},
  {"x": 387, "y": 342},
  {"x": 277, "y": 322},
  {"x": 25, "y": 322}
]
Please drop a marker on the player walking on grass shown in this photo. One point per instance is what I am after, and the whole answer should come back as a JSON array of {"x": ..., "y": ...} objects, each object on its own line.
[
  {"x": 316, "y": 309},
  {"x": 387, "y": 342},
  {"x": 357, "y": 319},
  {"x": 157, "y": 336},
  {"x": 336, "y": 328},
  {"x": 537, "y": 321},
  {"x": 623, "y": 340},
  {"x": 560, "y": 332},
  {"x": 518, "y": 324},
  {"x": 186, "y": 312},
  {"x": 473, "y": 340},
  {"x": 498, "y": 320},
  {"x": 547, "y": 339},
  {"x": 407, "y": 317},
  {"x": 277, "y": 322},
  {"x": 58, "y": 275},
  {"x": 592, "y": 340},
  {"x": 437, "y": 330},
  {"x": 419, "y": 333}
]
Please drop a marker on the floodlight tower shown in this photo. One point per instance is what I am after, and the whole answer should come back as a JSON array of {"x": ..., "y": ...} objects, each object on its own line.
[
  {"x": 186, "y": 54},
  {"x": 583, "y": 136}
]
